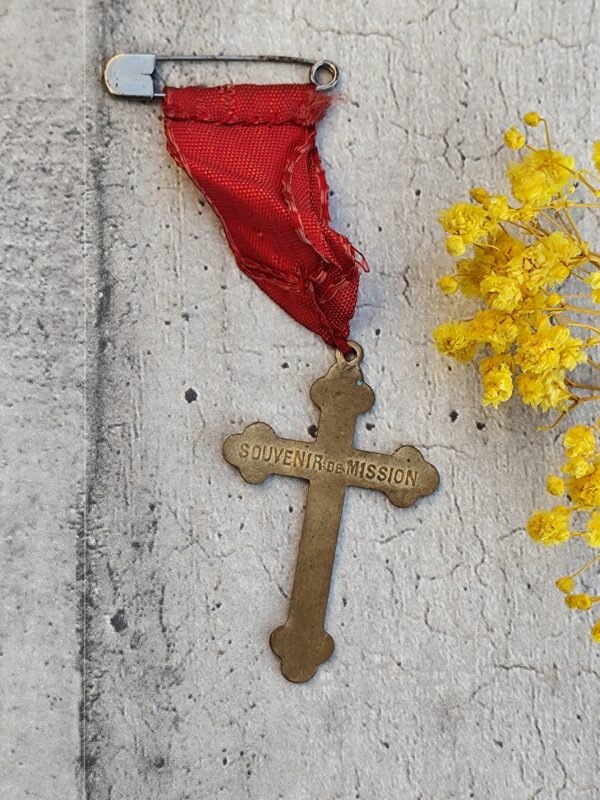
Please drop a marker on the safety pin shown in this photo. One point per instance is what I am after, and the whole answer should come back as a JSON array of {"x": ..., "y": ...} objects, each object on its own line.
[{"x": 131, "y": 74}]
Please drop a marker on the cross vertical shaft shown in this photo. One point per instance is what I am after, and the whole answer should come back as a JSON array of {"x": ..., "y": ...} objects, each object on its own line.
[{"x": 302, "y": 643}]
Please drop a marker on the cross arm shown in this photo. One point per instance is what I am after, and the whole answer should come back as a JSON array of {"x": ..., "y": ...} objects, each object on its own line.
[
  {"x": 403, "y": 476},
  {"x": 258, "y": 452}
]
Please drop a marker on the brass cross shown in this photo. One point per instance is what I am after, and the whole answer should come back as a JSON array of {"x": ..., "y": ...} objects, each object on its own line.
[{"x": 329, "y": 464}]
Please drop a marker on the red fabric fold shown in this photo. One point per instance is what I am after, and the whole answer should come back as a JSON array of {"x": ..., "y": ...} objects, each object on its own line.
[{"x": 251, "y": 151}]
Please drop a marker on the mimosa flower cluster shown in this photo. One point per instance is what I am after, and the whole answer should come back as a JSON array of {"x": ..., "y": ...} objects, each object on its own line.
[
  {"x": 580, "y": 484},
  {"x": 514, "y": 255}
]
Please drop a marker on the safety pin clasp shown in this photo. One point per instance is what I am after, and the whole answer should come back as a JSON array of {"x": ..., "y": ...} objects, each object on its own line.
[{"x": 132, "y": 74}]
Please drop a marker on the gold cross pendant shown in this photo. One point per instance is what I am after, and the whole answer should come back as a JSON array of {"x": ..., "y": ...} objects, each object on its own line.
[{"x": 329, "y": 464}]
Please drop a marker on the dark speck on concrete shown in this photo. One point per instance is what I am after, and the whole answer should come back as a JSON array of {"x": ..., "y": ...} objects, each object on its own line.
[
  {"x": 369, "y": 426},
  {"x": 119, "y": 620},
  {"x": 453, "y": 416},
  {"x": 159, "y": 762},
  {"x": 191, "y": 395},
  {"x": 285, "y": 365},
  {"x": 377, "y": 331},
  {"x": 185, "y": 316},
  {"x": 312, "y": 431},
  {"x": 480, "y": 426}
]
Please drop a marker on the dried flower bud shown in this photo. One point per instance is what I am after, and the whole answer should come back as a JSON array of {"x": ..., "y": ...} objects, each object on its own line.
[
  {"x": 448, "y": 284},
  {"x": 555, "y": 485},
  {"x": 455, "y": 245},
  {"x": 514, "y": 139},
  {"x": 581, "y": 602},
  {"x": 532, "y": 119},
  {"x": 479, "y": 194},
  {"x": 565, "y": 584}
]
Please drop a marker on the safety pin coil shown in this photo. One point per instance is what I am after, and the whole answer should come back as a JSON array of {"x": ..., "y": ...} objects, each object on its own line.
[{"x": 132, "y": 74}]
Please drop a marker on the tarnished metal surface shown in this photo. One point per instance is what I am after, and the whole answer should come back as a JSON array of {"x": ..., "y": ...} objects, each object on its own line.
[{"x": 330, "y": 464}]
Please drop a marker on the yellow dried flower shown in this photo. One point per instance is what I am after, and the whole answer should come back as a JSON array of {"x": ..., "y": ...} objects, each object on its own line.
[
  {"x": 455, "y": 339},
  {"x": 596, "y": 155},
  {"x": 579, "y": 440},
  {"x": 532, "y": 119},
  {"x": 540, "y": 176},
  {"x": 467, "y": 221},
  {"x": 579, "y": 602},
  {"x": 552, "y": 258},
  {"x": 594, "y": 282},
  {"x": 555, "y": 485},
  {"x": 565, "y": 584},
  {"x": 478, "y": 194},
  {"x": 514, "y": 139},
  {"x": 578, "y": 467},
  {"x": 506, "y": 246},
  {"x": 496, "y": 376},
  {"x": 468, "y": 276},
  {"x": 550, "y": 527},
  {"x": 496, "y": 329},
  {"x": 585, "y": 490},
  {"x": 455, "y": 245},
  {"x": 592, "y": 533},
  {"x": 497, "y": 208},
  {"x": 500, "y": 293},
  {"x": 448, "y": 284},
  {"x": 550, "y": 347},
  {"x": 531, "y": 333},
  {"x": 527, "y": 213},
  {"x": 545, "y": 391}
]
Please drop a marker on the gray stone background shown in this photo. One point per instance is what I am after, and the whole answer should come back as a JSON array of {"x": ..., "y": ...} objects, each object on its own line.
[{"x": 134, "y": 655}]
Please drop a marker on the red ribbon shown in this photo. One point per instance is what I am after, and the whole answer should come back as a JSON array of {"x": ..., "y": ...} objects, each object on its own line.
[{"x": 251, "y": 151}]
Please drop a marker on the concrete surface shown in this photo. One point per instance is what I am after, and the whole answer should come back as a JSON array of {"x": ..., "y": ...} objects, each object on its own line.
[
  {"x": 458, "y": 673},
  {"x": 42, "y": 335}
]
